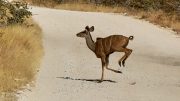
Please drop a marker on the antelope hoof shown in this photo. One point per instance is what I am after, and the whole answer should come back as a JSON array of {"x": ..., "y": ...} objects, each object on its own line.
[{"x": 120, "y": 63}]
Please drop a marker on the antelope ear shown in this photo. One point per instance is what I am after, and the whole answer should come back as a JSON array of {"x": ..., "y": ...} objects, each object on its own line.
[
  {"x": 91, "y": 29},
  {"x": 87, "y": 28}
]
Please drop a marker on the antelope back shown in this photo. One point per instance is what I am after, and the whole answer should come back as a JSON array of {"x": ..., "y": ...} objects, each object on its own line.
[{"x": 110, "y": 44}]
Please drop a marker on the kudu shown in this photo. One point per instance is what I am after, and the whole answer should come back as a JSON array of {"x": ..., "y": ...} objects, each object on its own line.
[{"x": 103, "y": 47}]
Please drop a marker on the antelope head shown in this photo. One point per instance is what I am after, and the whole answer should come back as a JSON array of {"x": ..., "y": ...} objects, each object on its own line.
[{"x": 85, "y": 33}]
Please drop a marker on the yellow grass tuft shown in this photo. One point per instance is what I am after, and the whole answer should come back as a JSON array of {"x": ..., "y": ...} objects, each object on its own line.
[{"x": 20, "y": 54}]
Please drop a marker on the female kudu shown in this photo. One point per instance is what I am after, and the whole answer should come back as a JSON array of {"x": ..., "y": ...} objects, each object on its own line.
[{"x": 103, "y": 47}]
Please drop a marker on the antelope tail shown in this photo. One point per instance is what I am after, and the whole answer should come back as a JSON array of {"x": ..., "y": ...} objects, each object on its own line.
[{"x": 131, "y": 37}]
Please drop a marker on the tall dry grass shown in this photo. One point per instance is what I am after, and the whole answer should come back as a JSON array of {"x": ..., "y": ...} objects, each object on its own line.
[
  {"x": 20, "y": 53},
  {"x": 154, "y": 16}
]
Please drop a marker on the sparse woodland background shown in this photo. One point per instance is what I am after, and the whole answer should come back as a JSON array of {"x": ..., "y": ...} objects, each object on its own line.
[
  {"x": 165, "y": 13},
  {"x": 169, "y": 6}
]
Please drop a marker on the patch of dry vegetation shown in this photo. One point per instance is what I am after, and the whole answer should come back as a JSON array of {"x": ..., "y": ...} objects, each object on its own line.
[
  {"x": 162, "y": 19},
  {"x": 155, "y": 16},
  {"x": 20, "y": 53},
  {"x": 162, "y": 12},
  {"x": 89, "y": 8}
]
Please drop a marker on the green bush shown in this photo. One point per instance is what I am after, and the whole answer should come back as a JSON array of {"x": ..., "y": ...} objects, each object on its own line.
[{"x": 12, "y": 13}]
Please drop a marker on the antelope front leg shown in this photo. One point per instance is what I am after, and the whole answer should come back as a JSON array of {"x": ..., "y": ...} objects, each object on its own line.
[{"x": 103, "y": 65}]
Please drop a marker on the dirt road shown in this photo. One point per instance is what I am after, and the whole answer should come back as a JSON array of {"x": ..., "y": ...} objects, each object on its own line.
[{"x": 69, "y": 69}]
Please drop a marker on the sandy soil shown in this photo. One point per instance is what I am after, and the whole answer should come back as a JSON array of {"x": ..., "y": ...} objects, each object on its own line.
[{"x": 69, "y": 69}]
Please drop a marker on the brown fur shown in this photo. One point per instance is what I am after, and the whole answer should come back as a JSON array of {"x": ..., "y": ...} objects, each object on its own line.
[
  {"x": 103, "y": 47},
  {"x": 110, "y": 44}
]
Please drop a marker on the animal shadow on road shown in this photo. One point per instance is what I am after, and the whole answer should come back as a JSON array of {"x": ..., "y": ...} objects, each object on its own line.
[{"x": 90, "y": 80}]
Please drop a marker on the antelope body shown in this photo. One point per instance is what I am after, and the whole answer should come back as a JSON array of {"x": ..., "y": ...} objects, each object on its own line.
[{"x": 103, "y": 47}]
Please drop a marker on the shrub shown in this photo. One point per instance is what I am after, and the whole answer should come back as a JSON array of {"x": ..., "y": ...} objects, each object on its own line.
[{"x": 12, "y": 13}]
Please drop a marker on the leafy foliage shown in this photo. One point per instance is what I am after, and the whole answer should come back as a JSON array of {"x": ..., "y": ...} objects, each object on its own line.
[{"x": 12, "y": 13}]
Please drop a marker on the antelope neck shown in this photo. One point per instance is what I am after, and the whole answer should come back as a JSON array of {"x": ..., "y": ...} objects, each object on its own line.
[{"x": 90, "y": 43}]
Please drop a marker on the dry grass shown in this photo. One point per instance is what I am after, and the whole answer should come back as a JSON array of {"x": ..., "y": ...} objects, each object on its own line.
[
  {"x": 20, "y": 54},
  {"x": 161, "y": 18},
  {"x": 90, "y": 8},
  {"x": 156, "y": 17}
]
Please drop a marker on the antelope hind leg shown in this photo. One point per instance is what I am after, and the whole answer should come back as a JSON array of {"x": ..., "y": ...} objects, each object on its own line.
[{"x": 128, "y": 53}]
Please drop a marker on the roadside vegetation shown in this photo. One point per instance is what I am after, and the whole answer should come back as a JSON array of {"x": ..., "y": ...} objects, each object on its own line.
[
  {"x": 20, "y": 47},
  {"x": 165, "y": 13}
]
